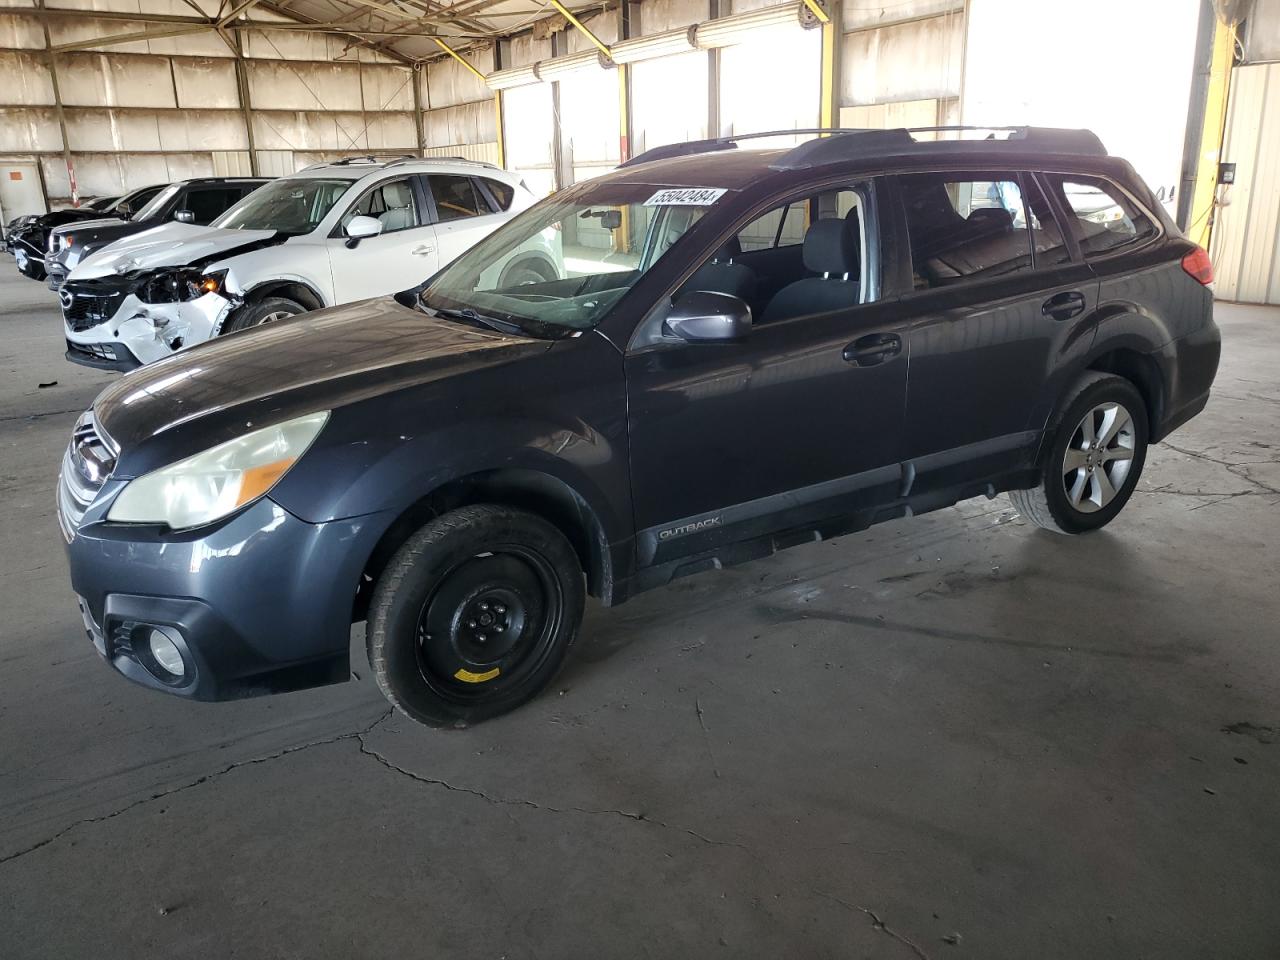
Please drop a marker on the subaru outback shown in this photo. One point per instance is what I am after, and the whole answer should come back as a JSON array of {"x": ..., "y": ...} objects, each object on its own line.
[{"x": 749, "y": 349}]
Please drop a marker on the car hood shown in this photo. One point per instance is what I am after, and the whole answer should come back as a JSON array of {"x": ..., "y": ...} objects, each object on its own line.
[
  {"x": 171, "y": 244},
  {"x": 316, "y": 361},
  {"x": 95, "y": 223}
]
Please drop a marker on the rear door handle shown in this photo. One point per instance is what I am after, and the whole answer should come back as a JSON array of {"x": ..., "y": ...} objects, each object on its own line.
[
  {"x": 422, "y": 250},
  {"x": 1063, "y": 306},
  {"x": 872, "y": 349}
]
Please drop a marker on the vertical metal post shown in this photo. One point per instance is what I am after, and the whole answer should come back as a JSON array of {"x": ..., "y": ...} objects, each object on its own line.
[
  {"x": 625, "y": 14},
  {"x": 419, "y": 78},
  {"x": 557, "y": 129},
  {"x": 246, "y": 110},
  {"x": 716, "y": 9},
  {"x": 497, "y": 108},
  {"x": 1194, "y": 132},
  {"x": 51, "y": 58},
  {"x": 829, "y": 102}
]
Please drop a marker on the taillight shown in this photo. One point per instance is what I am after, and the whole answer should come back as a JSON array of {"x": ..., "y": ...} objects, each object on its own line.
[{"x": 1198, "y": 266}]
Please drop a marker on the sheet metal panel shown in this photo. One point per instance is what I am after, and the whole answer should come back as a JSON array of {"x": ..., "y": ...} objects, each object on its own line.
[
  {"x": 1246, "y": 232},
  {"x": 447, "y": 83},
  {"x": 919, "y": 60}
]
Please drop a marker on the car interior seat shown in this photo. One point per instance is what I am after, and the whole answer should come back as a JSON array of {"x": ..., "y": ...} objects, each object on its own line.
[
  {"x": 831, "y": 250},
  {"x": 721, "y": 274},
  {"x": 398, "y": 198}
]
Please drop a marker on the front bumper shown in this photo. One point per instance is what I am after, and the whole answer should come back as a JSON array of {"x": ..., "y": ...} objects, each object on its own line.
[
  {"x": 140, "y": 333},
  {"x": 259, "y": 603}
]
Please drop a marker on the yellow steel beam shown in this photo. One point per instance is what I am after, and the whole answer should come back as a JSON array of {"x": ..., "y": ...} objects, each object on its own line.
[
  {"x": 1205, "y": 196},
  {"x": 459, "y": 57},
  {"x": 815, "y": 8},
  {"x": 582, "y": 28},
  {"x": 502, "y": 136},
  {"x": 827, "y": 104}
]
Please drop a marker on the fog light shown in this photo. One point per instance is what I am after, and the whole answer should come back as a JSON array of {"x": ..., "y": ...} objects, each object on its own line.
[{"x": 166, "y": 653}]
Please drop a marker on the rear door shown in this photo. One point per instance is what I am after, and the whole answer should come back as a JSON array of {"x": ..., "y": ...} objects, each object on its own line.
[
  {"x": 400, "y": 257},
  {"x": 207, "y": 203},
  {"x": 462, "y": 212},
  {"x": 998, "y": 305}
]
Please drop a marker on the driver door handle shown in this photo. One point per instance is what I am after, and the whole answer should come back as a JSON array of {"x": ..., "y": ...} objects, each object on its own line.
[
  {"x": 1063, "y": 306},
  {"x": 423, "y": 250},
  {"x": 873, "y": 349}
]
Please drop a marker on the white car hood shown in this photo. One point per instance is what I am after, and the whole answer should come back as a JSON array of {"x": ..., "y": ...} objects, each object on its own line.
[{"x": 168, "y": 245}]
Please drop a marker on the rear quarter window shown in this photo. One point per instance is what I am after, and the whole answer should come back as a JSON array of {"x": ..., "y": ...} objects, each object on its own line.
[
  {"x": 1100, "y": 214},
  {"x": 502, "y": 193}
]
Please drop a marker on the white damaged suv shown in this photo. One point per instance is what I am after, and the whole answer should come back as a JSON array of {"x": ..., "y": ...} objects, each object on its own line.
[{"x": 330, "y": 234}]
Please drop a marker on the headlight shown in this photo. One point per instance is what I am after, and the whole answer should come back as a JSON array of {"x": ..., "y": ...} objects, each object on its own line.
[
  {"x": 212, "y": 484},
  {"x": 180, "y": 285}
]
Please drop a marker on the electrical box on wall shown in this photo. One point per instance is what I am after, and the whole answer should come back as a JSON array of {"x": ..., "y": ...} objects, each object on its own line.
[{"x": 1226, "y": 173}]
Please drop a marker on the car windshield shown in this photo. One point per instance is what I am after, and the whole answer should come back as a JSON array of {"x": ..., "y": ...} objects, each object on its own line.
[
  {"x": 157, "y": 202},
  {"x": 288, "y": 206},
  {"x": 569, "y": 259}
]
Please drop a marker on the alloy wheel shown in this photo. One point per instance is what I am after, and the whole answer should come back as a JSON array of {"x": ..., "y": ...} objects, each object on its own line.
[{"x": 1098, "y": 457}]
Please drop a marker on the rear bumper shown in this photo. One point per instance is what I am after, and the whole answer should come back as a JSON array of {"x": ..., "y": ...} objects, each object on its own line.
[
  {"x": 260, "y": 603},
  {"x": 1189, "y": 366}
]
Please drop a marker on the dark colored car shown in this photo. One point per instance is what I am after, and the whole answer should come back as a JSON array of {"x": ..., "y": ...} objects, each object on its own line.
[
  {"x": 28, "y": 237},
  {"x": 752, "y": 349},
  {"x": 199, "y": 201}
]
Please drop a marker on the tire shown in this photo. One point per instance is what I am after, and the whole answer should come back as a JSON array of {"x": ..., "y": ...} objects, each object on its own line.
[
  {"x": 432, "y": 652},
  {"x": 1086, "y": 492},
  {"x": 522, "y": 272},
  {"x": 266, "y": 310}
]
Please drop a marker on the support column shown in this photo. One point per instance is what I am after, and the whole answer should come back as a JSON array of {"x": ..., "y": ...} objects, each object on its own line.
[
  {"x": 625, "y": 14},
  {"x": 52, "y": 60},
  {"x": 497, "y": 108},
  {"x": 419, "y": 77},
  {"x": 716, "y": 9},
  {"x": 246, "y": 110}
]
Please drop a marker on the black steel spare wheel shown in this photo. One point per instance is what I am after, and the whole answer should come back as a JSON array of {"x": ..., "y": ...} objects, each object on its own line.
[{"x": 474, "y": 615}]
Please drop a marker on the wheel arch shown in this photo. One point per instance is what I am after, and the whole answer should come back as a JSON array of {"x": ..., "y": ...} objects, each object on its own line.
[
  {"x": 532, "y": 256},
  {"x": 299, "y": 291},
  {"x": 525, "y": 488},
  {"x": 1132, "y": 359}
]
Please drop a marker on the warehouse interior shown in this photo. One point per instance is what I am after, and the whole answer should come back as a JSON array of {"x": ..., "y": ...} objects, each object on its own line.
[{"x": 953, "y": 735}]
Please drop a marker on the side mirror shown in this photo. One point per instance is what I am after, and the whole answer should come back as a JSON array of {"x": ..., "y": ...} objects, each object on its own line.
[
  {"x": 361, "y": 227},
  {"x": 705, "y": 317},
  {"x": 185, "y": 216}
]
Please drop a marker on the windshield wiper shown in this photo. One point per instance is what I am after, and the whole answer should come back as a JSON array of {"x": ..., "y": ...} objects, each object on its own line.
[{"x": 484, "y": 320}]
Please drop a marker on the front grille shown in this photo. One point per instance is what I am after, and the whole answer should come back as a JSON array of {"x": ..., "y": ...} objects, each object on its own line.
[
  {"x": 89, "y": 460},
  {"x": 84, "y": 307}
]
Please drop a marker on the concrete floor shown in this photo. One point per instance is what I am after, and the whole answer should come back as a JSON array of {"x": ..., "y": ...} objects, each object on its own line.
[{"x": 949, "y": 736}]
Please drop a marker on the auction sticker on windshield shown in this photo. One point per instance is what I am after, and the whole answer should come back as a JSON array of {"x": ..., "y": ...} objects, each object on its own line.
[{"x": 685, "y": 197}]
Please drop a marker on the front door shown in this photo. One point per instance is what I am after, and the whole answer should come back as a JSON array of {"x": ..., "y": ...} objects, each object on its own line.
[
  {"x": 402, "y": 256},
  {"x": 999, "y": 305},
  {"x": 798, "y": 422}
]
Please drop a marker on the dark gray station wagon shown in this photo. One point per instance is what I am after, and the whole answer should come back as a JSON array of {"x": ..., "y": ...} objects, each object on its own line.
[{"x": 746, "y": 349}]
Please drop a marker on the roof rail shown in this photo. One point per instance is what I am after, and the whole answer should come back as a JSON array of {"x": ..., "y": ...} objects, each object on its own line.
[
  {"x": 854, "y": 144},
  {"x": 834, "y": 144},
  {"x": 478, "y": 163},
  {"x": 666, "y": 151}
]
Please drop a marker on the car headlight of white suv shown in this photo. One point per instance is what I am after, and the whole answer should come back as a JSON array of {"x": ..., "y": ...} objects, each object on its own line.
[{"x": 210, "y": 485}]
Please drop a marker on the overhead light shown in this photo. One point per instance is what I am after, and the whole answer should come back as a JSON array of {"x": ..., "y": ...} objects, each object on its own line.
[
  {"x": 734, "y": 30},
  {"x": 574, "y": 63},
  {"x": 659, "y": 45}
]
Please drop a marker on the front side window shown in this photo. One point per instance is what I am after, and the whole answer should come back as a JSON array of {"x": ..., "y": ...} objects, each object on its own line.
[
  {"x": 965, "y": 227},
  {"x": 803, "y": 256},
  {"x": 391, "y": 203},
  {"x": 293, "y": 206},
  {"x": 456, "y": 198},
  {"x": 596, "y": 241},
  {"x": 1099, "y": 214}
]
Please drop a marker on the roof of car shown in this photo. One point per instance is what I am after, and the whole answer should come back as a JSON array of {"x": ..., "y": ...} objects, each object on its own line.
[
  {"x": 355, "y": 168},
  {"x": 730, "y": 163}
]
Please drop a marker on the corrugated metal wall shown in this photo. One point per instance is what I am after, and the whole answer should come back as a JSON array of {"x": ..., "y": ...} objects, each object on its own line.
[
  {"x": 158, "y": 110},
  {"x": 1246, "y": 232}
]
